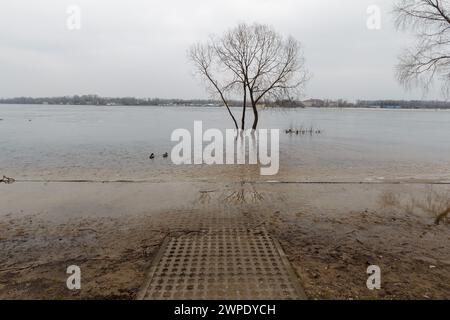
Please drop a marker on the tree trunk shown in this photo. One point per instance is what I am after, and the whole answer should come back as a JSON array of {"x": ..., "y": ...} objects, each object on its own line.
[
  {"x": 255, "y": 110},
  {"x": 222, "y": 97},
  {"x": 229, "y": 111},
  {"x": 244, "y": 107},
  {"x": 255, "y": 113},
  {"x": 232, "y": 117}
]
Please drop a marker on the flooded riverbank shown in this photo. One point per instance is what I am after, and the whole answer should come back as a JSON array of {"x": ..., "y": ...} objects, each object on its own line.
[{"x": 114, "y": 143}]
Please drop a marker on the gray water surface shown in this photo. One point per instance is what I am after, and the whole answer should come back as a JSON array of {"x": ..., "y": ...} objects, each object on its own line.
[{"x": 114, "y": 142}]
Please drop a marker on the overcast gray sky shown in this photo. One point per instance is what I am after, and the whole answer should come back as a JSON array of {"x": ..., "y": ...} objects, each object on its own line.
[{"x": 138, "y": 48}]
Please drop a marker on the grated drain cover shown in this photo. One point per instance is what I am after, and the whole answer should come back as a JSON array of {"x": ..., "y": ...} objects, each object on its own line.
[{"x": 227, "y": 263}]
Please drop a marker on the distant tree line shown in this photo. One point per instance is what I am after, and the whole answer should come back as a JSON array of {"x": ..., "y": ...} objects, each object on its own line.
[
  {"x": 400, "y": 104},
  {"x": 383, "y": 104},
  {"x": 95, "y": 100}
]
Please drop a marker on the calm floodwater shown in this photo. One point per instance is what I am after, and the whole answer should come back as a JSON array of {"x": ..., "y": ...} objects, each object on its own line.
[{"x": 87, "y": 142}]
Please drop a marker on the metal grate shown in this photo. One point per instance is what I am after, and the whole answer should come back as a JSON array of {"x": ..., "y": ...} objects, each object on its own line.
[{"x": 227, "y": 263}]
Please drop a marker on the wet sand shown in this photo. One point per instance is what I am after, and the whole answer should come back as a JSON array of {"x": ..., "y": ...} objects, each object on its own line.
[{"x": 330, "y": 233}]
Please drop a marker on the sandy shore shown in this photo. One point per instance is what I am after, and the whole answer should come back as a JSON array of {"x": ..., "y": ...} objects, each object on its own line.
[{"x": 331, "y": 233}]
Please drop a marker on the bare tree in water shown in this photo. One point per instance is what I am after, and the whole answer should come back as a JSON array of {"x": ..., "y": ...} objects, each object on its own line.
[
  {"x": 429, "y": 59},
  {"x": 252, "y": 62}
]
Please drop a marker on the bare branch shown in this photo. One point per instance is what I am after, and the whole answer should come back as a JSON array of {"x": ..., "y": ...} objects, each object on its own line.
[
  {"x": 202, "y": 56},
  {"x": 429, "y": 59}
]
